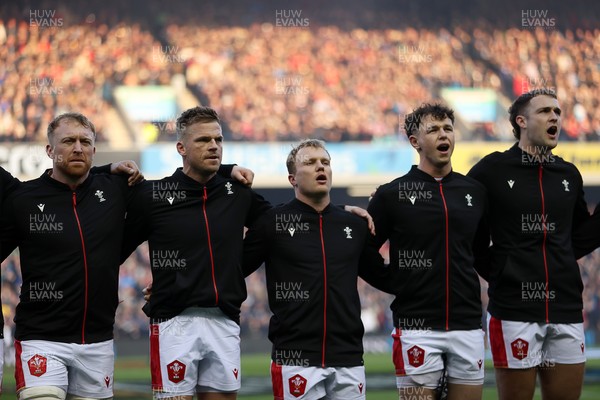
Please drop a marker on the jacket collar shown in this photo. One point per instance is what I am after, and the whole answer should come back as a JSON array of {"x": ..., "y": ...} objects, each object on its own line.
[
  {"x": 49, "y": 180},
  {"x": 178, "y": 175},
  {"x": 306, "y": 208},
  {"x": 415, "y": 172},
  {"x": 515, "y": 150}
]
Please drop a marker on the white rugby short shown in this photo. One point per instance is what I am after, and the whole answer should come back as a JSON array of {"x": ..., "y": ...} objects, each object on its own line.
[
  {"x": 522, "y": 345},
  {"x": 84, "y": 370},
  {"x": 419, "y": 352},
  {"x": 196, "y": 351},
  {"x": 312, "y": 383}
]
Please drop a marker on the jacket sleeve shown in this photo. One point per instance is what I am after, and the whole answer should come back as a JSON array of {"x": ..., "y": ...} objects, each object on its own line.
[
  {"x": 102, "y": 169},
  {"x": 225, "y": 170},
  {"x": 8, "y": 241},
  {"x": 258, "y": 207},
  {"x": 586, "y": 236},
  {"x": 8, "y": 233},
  {"x": 8, "y": 184},
  {"x": 481, "y": 245},
  {"x": 372, "y": 268},
  {"x": 382, "y": 224},
  {"x": 478, "y": 171},
  {"x": 256, "y": 246},
  {"x": 136, "y": 225},
  {"x": 582, "y": 242}
]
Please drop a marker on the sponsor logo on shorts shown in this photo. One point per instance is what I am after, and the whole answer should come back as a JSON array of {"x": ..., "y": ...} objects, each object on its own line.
[
  {"x": 37, "y": 365},
  {"x": 360, "y": 387},
  {"x": 479, "y": 363},
  {"x": 235, "y": 373},
  {"x": 519, "y": 348},
  {"x": 297, "y": 385},
  {"x": 416, "y": 356},
  {"x": 582, "y": 347},
  {"x": 176, "y": 371},
  {"x": 107, "y": 381}
]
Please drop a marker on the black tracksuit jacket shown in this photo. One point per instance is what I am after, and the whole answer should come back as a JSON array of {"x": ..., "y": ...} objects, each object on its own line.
[
  {"x": 434, "y": 229},
  {"x": 195, "y": 236},
  {"x": 7, "y": 184},
  {"x": 534, "y": 207},
  {"x": 70, "y": 243},
  {"x": 312, "y": 263},
  {"x": 586, "y": 236}
]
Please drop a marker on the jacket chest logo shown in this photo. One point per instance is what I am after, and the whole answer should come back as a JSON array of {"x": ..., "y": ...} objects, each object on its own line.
[
  {"x": 469, "y": 198},
  {"x": 348, "y": 231},
  {"x": 41, "y": 207},
  {"x": 510, "y": 183},
  {"x": 100, "y": 195},
  {"x": 228, "y": 186},
  {"x": 566, "y": 185}
]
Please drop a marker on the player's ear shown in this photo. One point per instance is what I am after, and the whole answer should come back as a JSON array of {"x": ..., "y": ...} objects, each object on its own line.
[
  {"x": 414, "y": 142},
  {"x": 180, "y": 148},
  {"x": 292, "y": 180}
]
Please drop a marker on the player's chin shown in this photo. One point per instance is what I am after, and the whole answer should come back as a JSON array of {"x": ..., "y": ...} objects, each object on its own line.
[
  {"x": 552, "y": 142},
  {"x": 212, "y": 166},
  {"x": 78, "y": 169},
  {"x": 323, "y": 188}
]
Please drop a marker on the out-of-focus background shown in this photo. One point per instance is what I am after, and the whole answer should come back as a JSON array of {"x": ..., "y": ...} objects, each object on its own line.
[{"x": 344, "y": 71}]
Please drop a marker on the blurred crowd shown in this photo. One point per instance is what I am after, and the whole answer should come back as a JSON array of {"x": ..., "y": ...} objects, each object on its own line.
[
  {"x": 284, "y": 72},
  {"x": 45, "y": 71}
]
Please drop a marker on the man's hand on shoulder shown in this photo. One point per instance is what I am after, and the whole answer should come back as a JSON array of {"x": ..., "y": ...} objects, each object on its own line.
[
  {"x": 243, "y": 175},
  {"x": 128, "y": 167}
]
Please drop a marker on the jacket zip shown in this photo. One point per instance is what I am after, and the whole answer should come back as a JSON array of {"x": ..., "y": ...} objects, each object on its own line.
[
  {"x": 545, "y": 229},
  {"x": 212, "y": 260},
  {"x": 85, "y": 268},
  {"x": 447, "y": 259},
  {"x": 324, "y": 291}
]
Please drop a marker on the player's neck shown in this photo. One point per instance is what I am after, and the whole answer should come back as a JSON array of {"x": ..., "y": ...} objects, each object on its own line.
[
  {"x": 71, "y": 181},
  {"x": 435, "y": 171},
  {"x": 319, "y": 203},
  {"x": 199, "y": 176}
]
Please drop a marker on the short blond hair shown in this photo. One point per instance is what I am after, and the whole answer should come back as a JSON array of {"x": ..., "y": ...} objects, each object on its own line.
[{"x": 291, "y": 158}]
